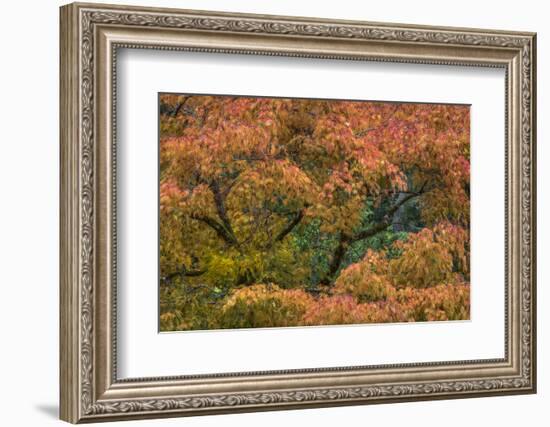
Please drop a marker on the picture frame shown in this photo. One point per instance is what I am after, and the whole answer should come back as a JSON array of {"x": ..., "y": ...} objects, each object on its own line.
[{"x": 91, "y": 35}]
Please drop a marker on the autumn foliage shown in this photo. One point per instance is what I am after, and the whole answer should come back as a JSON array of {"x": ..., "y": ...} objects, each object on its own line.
[{"x": 291, "y": 212}]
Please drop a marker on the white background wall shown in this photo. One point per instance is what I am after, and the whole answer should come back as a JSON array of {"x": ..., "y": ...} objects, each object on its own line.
[{"x": 29, "y": 171}]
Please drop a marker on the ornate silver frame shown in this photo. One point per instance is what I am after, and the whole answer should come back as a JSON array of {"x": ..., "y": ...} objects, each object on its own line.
[{"x": 90, "y": 36}]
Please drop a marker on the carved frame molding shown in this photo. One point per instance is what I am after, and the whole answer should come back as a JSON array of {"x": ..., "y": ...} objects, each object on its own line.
[{"x": 90, "y": 390}]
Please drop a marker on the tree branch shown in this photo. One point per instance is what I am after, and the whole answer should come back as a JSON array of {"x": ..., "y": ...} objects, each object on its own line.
[
  {"x": 180, "y": 106},
  {"x": 346, "y": 240},
  {"x": 337, "y": 258},
  {"x": 229, "y": 187},
  {"x": 386, "y": 222},
  {"x": 290, "y": 226},
  {"x": 183, "y": 272},
  {"x": 219, "y": 201},
  {"x": 218, "y": 228}
]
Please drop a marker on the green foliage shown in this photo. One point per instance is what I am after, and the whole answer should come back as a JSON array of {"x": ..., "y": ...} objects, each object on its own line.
[{"x": 310, "y": 239}]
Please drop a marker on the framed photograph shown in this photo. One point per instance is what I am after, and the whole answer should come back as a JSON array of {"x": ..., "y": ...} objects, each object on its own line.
[{"x": 265, "y": 212}]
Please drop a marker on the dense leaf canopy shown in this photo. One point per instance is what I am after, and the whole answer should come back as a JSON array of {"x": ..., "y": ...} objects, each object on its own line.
[{"x": 283, "y": 212}]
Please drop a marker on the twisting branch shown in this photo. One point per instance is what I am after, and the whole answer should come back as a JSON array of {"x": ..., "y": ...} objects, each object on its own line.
[
  {"x": 289, "y": 227},
  {"x": 337, "y": 257},
  {"x": 217, "y": 227},
  {"x": 181, "y": 105},
  {"x": 229, "y": 187},
  {"x": 222, "y": 227},
  {"x": 219, "y": 201},
  {"x": 386, "y": 222},
  {"x": 183, "y": 272},
  {"x": 346, "y": 240}
]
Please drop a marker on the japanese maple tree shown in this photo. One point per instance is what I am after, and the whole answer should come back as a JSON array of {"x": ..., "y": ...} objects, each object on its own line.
[{"x": 311, "y": 204}]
